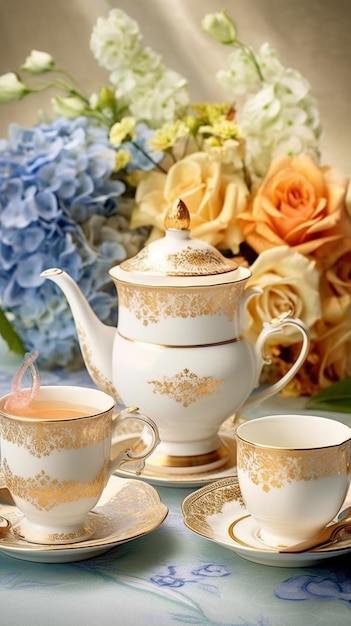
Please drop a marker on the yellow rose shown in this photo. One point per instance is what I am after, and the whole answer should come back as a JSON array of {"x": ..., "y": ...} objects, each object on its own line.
[
  {"x": 213, "y": 194},
  {"x": 289, "y": 282},
  {"x": 298, "y": 204}
]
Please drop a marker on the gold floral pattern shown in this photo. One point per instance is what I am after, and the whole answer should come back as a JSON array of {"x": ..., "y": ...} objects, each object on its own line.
[
  {"x": 101, "y": 381},
  {"x": 199, "y": 262},
  {"x": 189, "y": 261},
  {"x": 186, "y": 387},
  {"x": 40, "y": 439},
  {"x": 133, "y": 509},
  {"x": 150, "y": 305},
  {"x": 208, "y": 501},
  {"x": 45, "y": 493},
  {"x": 272, "y": 469},
  {"x": 59, "y": 538}
]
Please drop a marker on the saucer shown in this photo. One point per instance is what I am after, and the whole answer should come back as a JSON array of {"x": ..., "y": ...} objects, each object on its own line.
[
  {"x": 126, "y": 510},
  {"x": 162, "y": 478},
  {"x": 217, "y": 512}
]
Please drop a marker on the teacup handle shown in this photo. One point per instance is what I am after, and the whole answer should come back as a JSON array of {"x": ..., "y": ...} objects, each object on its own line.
[
  {"x": 275, "y": 326},
  {"x": 128, "y": 455}
]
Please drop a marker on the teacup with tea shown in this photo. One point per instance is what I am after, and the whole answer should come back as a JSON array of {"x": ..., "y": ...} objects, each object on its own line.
[
  {"x": 294, "y": 473},
  {"x": 55, "y": 455}
]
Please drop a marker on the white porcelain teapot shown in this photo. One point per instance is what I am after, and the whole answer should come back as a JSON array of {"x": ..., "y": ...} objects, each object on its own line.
[{"x": 178, "y": 352}]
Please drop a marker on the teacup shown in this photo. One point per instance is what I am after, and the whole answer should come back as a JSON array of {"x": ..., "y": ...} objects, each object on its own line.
[
  {"x": 56, "y": 459},
  {"x": 294, "y": 474}
]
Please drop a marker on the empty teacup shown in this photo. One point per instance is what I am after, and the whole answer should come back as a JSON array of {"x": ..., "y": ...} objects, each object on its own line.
[
  {"x": 56, "y": 461},
  {"x": 294, "y": 474}
]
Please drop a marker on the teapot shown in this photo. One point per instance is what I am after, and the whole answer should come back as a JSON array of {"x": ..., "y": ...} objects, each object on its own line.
[{"x": 178, "y": 352}]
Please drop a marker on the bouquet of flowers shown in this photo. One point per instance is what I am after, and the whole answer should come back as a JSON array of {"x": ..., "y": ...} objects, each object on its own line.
[{"x": 92, "y": 187}]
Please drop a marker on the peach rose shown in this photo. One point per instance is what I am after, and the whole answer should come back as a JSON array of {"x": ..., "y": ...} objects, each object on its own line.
[
  {"x": 328, "y": 360},
  {"x": 299, "y": 204},
  {"x": 333, "y": 346},
  {"x": 289, "y": 282},
  {"x": 336, "y": 285},
  {"x": 213, "y": 194}
]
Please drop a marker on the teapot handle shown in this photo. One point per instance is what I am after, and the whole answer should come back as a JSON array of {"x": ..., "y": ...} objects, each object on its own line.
[{"x": 275, "y": 326}]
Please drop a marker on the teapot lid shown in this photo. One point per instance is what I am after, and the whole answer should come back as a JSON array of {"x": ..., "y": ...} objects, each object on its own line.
[{"x": 179, "y": 256}]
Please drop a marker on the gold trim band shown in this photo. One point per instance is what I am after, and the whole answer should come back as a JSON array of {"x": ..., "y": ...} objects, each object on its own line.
[
  {"x": 167, "y": 460},
  {"x": 235, "y": 538},
  {"x": 196, "y": 345}
]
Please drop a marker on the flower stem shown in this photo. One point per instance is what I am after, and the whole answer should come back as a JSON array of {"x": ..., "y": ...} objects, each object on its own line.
[
  {"x": 138, "y": 147},
  {"x": 250, "y": 54}
]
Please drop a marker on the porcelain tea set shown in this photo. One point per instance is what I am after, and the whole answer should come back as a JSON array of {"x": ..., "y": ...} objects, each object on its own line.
[
  {"x": 179, "y": 352},
  {"x": 180, "y": 355}
]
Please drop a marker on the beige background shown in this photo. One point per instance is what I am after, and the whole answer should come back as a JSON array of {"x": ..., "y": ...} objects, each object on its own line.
[{"x": 313, "y": 36}]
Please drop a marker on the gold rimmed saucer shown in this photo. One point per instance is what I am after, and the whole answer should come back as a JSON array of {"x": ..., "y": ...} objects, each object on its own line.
[
  {"x": 126, "y": 510},
  {"x": 217, "y": 513}
]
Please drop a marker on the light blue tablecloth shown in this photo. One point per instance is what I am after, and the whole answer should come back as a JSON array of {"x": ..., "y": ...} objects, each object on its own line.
[{"x": 172, "y": 576}]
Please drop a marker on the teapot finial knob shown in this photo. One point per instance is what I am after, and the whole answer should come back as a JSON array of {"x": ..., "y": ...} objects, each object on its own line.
[{"x": 178, "y": 216}]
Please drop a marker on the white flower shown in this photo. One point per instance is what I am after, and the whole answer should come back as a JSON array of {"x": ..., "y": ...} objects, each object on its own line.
[
  {"x": 142, "y": 83},
  {"x": 11, "y": 88},
  {"x": 269, "y": 62},
  {"x": 294, "y": 141},
  {"x": 279, "y": 115},
  {"x": 38, "y": 62},
  {"x": 162, "y": 102},
  {"x": 241, "y": 75},
  {"x": 70, "y": 107},
  {"x": 292, "y": 87},
  {"x": 115, "y": 40},
  {"x": 144, "y": 70},
  {"x": 260, "y": 111},
  {"x": 219, "y": 26},
  {"x": 281, "y": 118}
]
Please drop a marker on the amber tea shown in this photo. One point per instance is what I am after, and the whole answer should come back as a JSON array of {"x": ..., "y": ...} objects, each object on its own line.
[{"x": 53, "y": 409}]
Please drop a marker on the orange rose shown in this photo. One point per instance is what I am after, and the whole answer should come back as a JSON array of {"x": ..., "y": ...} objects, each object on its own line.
[
  {"x": 213, "y": 193},
  {"x": 298, "y": 204}
]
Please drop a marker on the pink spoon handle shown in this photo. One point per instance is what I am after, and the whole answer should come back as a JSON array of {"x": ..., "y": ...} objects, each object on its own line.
[{"x": 20, "y": 398}]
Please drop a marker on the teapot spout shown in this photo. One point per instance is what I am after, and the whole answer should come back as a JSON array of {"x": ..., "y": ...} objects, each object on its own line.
[{"x": 95, "y": 338}]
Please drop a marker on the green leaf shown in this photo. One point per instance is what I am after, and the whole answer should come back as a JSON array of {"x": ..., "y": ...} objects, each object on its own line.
[
  {"x": 337, "y": 397},
  {"x": 10, "y": 336}
]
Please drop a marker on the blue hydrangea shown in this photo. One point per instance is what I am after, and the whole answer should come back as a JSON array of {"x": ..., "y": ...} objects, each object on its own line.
[{"x": 53, "y": 178}]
